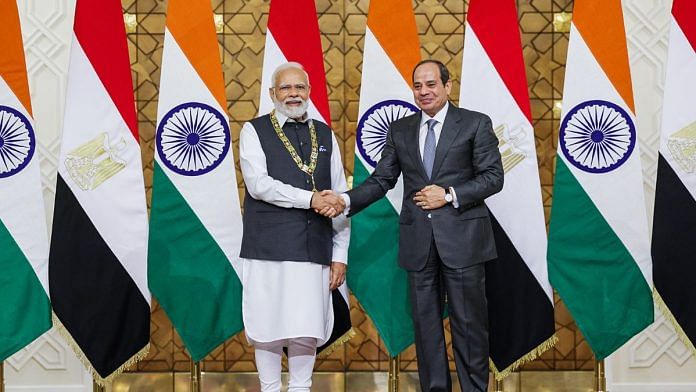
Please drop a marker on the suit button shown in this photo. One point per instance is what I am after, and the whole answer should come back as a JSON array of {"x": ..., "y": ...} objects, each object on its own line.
[
  {"x": 309, "y": 222},
  {"x": 430, "y": 215},
  {"x": 306, "y": 181}
]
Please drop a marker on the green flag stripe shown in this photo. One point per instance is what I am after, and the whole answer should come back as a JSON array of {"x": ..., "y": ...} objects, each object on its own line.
[
  {"x": 189, "y": 274},
  {"x": 374, "y": 275},
  {"x": 25, "y": 311},
  {"x": 593, "y": 272}
]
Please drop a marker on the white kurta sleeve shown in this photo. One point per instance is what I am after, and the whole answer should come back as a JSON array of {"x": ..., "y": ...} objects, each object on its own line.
[
  {"x": 259, "y": 184},
  {"x": 341, "y": 223}
]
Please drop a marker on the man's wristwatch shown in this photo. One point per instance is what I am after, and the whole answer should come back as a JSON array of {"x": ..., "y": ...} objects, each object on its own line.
[{"x": 448, "y": 196}]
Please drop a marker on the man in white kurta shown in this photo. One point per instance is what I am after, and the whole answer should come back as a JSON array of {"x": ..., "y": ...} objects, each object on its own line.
[{"x": 287, "y": 288}]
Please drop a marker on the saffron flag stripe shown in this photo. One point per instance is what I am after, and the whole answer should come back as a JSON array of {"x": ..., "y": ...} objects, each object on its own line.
[
  {"x": 25, "y": 312},
  {"x": 391, "y": 51},
  {"x": 633, "y": 234},
  {"x": 218, "y": 182},
  {"x": 598, "y": 253},
  {"x": 195, "y": 219}
]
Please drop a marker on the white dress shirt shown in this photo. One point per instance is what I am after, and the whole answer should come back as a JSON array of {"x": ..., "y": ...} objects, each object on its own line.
[
  {"x": 422, "y": 133},
  {"x": 288, "y": 299}
]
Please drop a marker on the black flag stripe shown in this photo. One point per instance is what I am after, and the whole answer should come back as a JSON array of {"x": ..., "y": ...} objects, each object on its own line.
[
  {"x": 94, "y": 297},
  {"x": 520, "y": 315}
]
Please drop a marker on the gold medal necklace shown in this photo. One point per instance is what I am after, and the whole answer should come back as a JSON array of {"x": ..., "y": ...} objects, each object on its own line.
[{"x": 293, "y": 153}]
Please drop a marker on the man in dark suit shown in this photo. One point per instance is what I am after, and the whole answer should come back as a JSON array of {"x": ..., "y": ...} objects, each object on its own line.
[{"x": 450, "y": 162}]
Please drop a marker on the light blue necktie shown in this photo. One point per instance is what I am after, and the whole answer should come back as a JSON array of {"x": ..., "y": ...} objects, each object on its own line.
[{"x": 429, "y": 148}]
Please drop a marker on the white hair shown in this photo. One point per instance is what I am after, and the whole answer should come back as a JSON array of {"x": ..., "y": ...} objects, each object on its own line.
[{"x": 286, "y": 66}]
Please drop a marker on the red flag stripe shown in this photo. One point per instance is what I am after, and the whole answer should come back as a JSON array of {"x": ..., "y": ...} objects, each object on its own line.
[
  {"x": 684, "y": 12},
  {"x": 100, "y": 31},
  {"x": 295, "y": 29},
  {"x": 496, "y": 26}
]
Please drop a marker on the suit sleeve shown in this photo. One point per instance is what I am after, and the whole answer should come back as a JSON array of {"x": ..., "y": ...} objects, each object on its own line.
[
  {"x": 488, "y": 168},
  {"x": 383, "y": 179}
]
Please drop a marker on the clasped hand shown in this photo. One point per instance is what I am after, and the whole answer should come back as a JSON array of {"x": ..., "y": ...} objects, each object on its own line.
[
  {"x": 430, "y": 197},
  {"x": 328, "y": 203}
]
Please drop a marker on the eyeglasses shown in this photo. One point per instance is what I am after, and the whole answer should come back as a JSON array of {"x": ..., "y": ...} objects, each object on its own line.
[{"x": 286, "y": 88}]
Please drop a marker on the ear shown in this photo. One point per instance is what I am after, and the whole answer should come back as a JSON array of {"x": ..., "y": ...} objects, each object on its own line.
[
  {"x": 271, "y": 93},
  {"x": 448, "y": 86}
]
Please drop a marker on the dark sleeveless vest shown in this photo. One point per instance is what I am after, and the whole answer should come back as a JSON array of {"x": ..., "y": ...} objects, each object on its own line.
[{"x": 289, "y": 234}]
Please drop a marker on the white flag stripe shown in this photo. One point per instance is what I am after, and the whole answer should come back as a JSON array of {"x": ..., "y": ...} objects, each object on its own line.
[
  {"x": 118, "y": 215},
  {"x": 18, "y": 210},
  {"x": 518, "y": 207},
  {"x": 272, "y": 58},
  {"x": 626, "y": 180},
  {"x": 181, "y": 83},
  {"x": 679, "y": 103},
  {"x": 378, "y": 71}
]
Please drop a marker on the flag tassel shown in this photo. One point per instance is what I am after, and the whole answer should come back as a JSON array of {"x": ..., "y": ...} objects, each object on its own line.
[
  {"x": 98, "y": 379},
  {"x": 195, "y": 376},
  {"x": 338, "y": 343},
  {"x": 668, "y": 315},
  {"x": 394, "y": 370},
  {"x": 530, "y": 356}
]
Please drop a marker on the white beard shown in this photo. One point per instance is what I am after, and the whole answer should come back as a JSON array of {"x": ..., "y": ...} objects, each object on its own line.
[{"x": 291, "y": 112}]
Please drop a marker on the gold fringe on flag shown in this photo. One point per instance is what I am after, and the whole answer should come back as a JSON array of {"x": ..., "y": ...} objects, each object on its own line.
[
  {"x": 101, "y": 381},
  {"x": 338, "y": 343},
  {"x": 668, "y": 315},
  {"x": 530, "y": 356}
]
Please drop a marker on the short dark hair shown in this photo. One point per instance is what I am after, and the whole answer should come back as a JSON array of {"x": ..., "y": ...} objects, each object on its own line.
[{"x": 444, "y": 72}]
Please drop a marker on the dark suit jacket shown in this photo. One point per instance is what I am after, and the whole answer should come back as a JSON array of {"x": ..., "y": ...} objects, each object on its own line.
[{"x": 466, "y": 158}]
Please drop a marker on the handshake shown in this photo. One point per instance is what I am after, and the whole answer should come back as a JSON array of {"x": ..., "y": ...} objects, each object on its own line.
[{"x": 328, "y": 203}]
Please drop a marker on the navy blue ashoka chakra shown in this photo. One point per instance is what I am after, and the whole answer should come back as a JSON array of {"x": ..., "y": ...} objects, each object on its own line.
[
  {"x": 374, "y": 124},
  {"x": 17, "y": 141},
  {"x": 597, "y": 136},
  {"x": 193, "y": 138}
]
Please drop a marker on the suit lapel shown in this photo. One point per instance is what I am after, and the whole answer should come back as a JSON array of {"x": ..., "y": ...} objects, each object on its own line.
[
  {"x": 450, "y": 130},
  {"x": 412, "y": 145}
]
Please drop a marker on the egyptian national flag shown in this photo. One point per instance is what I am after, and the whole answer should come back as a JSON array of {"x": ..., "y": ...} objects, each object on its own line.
[
  {"x": 97, "y": 263},
  {"x": 293, "y": 35},
  {"x": 674, "y": 224},
  {"x": 25, "y": 312},
  {"x": 520, "y": 298}
]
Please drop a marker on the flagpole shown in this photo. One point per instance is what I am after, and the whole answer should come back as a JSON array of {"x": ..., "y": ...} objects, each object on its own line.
[
  {"x": 195, "y": 376},
  {"x": 394, "y": 365},
  {"x": 600, "y": 380},
  {"x": 96, "y": 387},
  {"x": 499, "y": 385}
]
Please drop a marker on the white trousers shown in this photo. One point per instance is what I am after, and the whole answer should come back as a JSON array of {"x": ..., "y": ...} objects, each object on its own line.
[{"x": 301, "y": 355}]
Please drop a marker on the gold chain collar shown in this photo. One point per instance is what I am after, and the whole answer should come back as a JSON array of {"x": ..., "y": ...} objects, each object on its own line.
[{"x": 309, "y": 170}]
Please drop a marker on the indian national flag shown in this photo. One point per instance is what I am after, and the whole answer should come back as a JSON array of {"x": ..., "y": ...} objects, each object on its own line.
[
  {"x": 599, "y": 249},
  {"x": 674, "y": 225},
  {"x": 286, "y": 42},
  {"x": 25, "y": 312},
  {"x": 390, "y": 53},
  {"x": 195, "y": 220},
  {"x": 520, "y": 298},
  {"x": 98, "y": 257}
]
